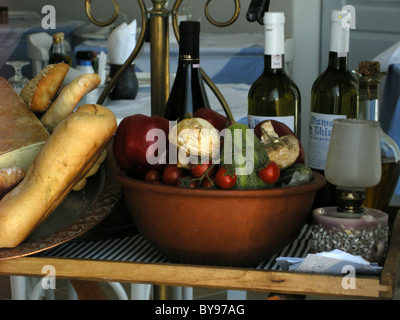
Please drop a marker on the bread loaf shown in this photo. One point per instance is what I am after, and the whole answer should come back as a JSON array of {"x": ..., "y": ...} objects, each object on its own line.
[
  {"x": 21, "y": 133},
  {"x": 66, "y": 157},
  {"x": 40, "y": 91},
  {"x": 68, "y": 99}
]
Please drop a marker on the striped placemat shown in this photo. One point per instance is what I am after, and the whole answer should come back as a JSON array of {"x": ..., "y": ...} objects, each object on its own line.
[{"x": 136, "y": 248}]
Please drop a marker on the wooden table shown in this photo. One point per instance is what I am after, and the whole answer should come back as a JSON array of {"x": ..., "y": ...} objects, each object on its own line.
[{"x": 85, "y": 273}]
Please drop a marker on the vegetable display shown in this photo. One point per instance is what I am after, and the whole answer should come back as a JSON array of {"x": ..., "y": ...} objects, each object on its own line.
[{"x": 207, "y": 150}]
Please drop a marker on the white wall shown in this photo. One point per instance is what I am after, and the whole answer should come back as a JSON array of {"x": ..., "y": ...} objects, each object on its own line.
[{"x": 307, "y": 33}]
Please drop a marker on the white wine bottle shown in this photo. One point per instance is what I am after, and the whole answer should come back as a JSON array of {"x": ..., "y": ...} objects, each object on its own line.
[
  {"x": 379, "y": 196},
  {"x": 334, "y": 94},
  {"x": 187, "y": 93},
  {"x": 274, "y": 95}
]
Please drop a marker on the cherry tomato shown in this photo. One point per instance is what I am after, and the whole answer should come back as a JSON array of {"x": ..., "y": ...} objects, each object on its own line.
[
  {"x": 199, "y": 169},
  {"x": 171, "y": 174},
  {"x": 187, "y": 182},
  {"x": 270, "y": 174},
  {"x": 152, "y": 176},
  {"x": 224, "y": 180},
  {"x": 206, "y": 183}
]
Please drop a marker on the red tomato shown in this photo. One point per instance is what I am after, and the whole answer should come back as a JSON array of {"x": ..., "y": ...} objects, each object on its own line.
[
  {"x": 224, "y": 180},
  {"x": 171, "y": 174},
  {"x": 187, "y": 182},
  {"x": 270, "y": 174},
  {"x": 200, "y": 169},
  {"x": 206, "y": 183},
  {"x": 152, "y": 176}
]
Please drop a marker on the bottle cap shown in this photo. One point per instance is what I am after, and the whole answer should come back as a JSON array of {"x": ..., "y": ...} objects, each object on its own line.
[
  {"x": 369, "y": 67},
  {"x": 189, "y": 27},
  {"x": 189, "y": 40},
  {"x": 84, "y": 55},
  {"x": 340, "y": 32},
  {"x": 274, "y": 17},
  {"x": 59, "y": 35}
]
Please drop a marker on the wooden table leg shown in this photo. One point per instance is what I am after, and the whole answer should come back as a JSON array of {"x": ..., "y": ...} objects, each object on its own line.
[
  {"x": 5, "y": 288},
  {"x": 88, "y": 290}
]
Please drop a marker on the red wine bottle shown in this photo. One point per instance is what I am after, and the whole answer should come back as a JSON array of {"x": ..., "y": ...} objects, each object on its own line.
[{"x": 188, "y": 93}]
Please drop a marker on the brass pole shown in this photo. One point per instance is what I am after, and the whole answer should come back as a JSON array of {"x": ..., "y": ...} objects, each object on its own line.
[
  {"x": 159, "y": 56},
  {"x": 159, "y": 73}
]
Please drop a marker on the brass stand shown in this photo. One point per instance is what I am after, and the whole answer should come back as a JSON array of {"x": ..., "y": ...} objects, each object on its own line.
[
  {"x": 159, "y": 63},
  {"x": 159, "y": 49},
  {"x": 159, "y": 56}
]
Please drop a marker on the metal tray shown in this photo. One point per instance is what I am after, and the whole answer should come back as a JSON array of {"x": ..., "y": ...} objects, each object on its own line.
[{"x": 78, "y": 213}]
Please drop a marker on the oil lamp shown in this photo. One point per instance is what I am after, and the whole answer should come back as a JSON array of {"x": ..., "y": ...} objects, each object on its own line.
[{"x": 353, "y": 164}]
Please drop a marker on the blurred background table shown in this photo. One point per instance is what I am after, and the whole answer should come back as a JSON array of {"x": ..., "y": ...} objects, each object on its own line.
[
  {"x": 237, "y": 58},
  {"x": 13, "y": 35}
]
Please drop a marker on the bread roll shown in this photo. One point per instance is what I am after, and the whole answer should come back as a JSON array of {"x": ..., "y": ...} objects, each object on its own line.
[
  {"x": 40, "y": 91},
  {"x": 68, "y": 99},
  {"x": 64, "y": 159}
]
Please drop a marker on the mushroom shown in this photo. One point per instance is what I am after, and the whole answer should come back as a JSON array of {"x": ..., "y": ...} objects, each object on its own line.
[
  {"x": 194, "y": 138},
  {"x": 283, "y": 150}
]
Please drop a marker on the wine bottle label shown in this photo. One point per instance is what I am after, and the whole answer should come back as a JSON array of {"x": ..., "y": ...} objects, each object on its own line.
[
  {"x": 320, "y": 135},
  {"x": 254, "y": 120},
  {"x": 276, "y": 61}
]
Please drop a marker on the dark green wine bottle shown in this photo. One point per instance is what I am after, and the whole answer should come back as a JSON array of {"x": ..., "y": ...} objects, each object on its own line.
[
  {"x": 334, "y": 94},
  {"x": 187, "y": 93},
  {"x": 274, "y": 95}
]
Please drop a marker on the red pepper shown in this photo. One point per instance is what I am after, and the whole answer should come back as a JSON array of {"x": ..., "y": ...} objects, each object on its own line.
[
  {"x": 219, "y": 121},
  {"x": 131, "y": 143}
]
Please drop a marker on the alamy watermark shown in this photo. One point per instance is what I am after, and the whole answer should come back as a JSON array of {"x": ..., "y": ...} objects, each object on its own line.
[
  {"x": 49, "y": 20},
  {"x": 202, "y": 146},
  {"x": 49, "y": 280},
  {"x": 349, "y": 280}
]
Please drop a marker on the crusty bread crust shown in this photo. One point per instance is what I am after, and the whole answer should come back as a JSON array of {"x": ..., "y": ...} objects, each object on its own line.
[
  {"x": 19, "y": 126},
  {"x": 68, "y": 99},
  {"x": 65, "y": 159},
  {"x": 9, "y": 178},
  {"x": 40, "y": 91}
]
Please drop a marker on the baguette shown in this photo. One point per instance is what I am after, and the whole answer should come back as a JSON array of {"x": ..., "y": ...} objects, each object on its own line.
[
  {"x": 68, "y": 99},
  {"x": 9, "y": 178},
  {"x": 66, "y": 157}
]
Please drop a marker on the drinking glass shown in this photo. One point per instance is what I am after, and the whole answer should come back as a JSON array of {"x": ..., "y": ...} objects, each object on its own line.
[
  {"x": 353, "y": 162},
  {"x": 18, "y": 81}
]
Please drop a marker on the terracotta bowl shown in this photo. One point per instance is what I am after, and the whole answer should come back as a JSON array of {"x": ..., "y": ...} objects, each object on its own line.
[{"x": 218, "y": 227}]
